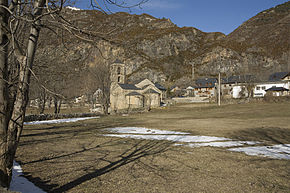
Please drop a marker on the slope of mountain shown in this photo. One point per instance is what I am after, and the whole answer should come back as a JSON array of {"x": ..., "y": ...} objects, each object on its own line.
[
  {"x": 159, "y": 50},
  {"x": 268, "y": 30}
]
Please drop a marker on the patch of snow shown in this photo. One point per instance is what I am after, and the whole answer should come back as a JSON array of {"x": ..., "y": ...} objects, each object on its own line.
[
  {"x": 73, "y": 8},
  {"x": 223, "y": 144},
  {"x": 59, "y": 121},
  {"x": 142, "y": 130},
  {"x": 174, "y": 138},
  {"x": 20, "y": 183},
  {"x": 178, "y": 144},
  {"x": 276, "y": 151}
]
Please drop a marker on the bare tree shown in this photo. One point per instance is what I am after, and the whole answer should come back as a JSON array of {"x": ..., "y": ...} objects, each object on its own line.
[
  {"x": 21, "y": 22},
  {"x": 13, "y": 110},
  {"x": 98, "y": 77}
]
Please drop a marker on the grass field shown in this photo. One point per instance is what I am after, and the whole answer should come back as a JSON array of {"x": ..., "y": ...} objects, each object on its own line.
[{"x": 76, "y": 157}]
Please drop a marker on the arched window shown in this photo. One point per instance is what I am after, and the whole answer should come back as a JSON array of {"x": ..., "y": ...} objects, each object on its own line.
[
  {"x": 118, "y": 70},
  {"x": 119, "y": 78}
]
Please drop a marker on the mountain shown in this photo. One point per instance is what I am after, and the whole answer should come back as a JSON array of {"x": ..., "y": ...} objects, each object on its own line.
[
  {"x": 159, "y": 50},
  {"x": 268, "y": 30}
]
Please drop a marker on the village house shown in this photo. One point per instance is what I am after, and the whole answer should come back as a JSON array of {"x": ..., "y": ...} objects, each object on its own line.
[
  {"x": 278, "y": 84},
  {"x": 123, "y": 96},
  {"x": 190, "y": 91},
  {"x": 278, "y": 91},
  {"x": 177, "y": 91},
  {"x": 231, "y": 87},
  {"x": 175, "y": 88},
  {"x": 205, "y": 87},
  {"x": 237, "y": 86}
]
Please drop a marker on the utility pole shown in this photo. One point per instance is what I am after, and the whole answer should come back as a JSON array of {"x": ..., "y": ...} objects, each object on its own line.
[
  {"x": 219, "y": 90},
  {"x": 219, "y": 81}
]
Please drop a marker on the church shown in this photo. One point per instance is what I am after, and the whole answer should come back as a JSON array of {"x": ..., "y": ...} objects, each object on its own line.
[{"x": 144, "y": 94}]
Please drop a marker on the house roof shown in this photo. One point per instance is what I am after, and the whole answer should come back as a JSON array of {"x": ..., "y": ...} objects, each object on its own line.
[
  {"x": 134, "y": 93},
  {"x": 277, "y": 76},
  {"x": 205, "y": 82},
  {"x": 159, "y": 86},
  {"x": 129, "y": 87},
  {"x": 174, "y": 86},
  {"x": 288, "y": 74},
  {"x": 274, "y": 88},
  {"x": 239, "y": 79},
  {"x": 150, "y": 91},
  {"x": 190, "y": 87}
]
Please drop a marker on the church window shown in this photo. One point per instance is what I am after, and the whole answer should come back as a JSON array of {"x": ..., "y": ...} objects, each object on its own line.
[{"x": 118, "y": 70}]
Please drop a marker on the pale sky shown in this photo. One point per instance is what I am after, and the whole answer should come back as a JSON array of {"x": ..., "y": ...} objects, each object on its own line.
[{"x": 206, "y": 15}]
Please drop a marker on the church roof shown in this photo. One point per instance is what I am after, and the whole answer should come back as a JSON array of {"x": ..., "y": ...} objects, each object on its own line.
[
  {"x": 134, "y": 93},
  {"x": 129, "y": 87},
  {"x": 159, "y": 86},
  {"x": 150, "y": 91}
]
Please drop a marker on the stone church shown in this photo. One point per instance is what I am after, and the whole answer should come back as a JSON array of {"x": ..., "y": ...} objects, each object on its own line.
[{"x": 123, "y": 96}]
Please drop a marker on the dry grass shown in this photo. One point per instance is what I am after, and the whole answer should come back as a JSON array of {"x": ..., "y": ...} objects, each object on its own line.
[
  {"x": 68, "y": 110},
  {"x": 75, "y": 157}
]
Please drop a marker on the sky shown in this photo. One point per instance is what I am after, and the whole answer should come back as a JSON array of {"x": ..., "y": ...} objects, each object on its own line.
[{"x": 206, "y": 15}]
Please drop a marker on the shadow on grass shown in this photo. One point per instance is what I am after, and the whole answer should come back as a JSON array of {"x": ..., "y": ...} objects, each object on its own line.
[
  {"x": 104, "y": 153},
  {"x": 137, "y": 151},
  {"x": 267, "y": 135},
  {"x": 70, "y": 129},
  {"x": 132, "y": 154},
  {"x": 56, "y": 132}
]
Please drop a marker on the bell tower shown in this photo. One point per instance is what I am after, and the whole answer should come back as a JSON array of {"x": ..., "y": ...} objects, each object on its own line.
[{"x": 118, "y": 72}]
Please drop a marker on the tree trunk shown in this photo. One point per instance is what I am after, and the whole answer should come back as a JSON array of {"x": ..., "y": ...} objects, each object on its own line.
[
  {"x": 59, "y": 105},
  {"x": 42, "y": 101},
  {"x": 15, "y": 125},
  {"x": 55, "y": 105},
  {"x": 4, "y": 113}
]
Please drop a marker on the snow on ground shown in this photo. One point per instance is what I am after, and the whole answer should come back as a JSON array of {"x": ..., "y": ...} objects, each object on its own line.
[
  {"x": 223, "y": 144},
  {"x": 142, "y": 130},
  {"x": 175, "y": 138},
  {"x": 20, "y": 183},
  {"x": 282, "y": 151},
  {"x": 276, "y": 151},
  {"x": 59, "y": 121}
]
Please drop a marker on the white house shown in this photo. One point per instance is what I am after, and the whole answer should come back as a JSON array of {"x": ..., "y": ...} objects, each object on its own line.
[
  {"x": 260, "y": 89},
  {"x": 239, "y": 91},
  {"x": 278, "y": 79},
  {"x": 237, "y": 86},
  {"x": 189, "y": 91}
]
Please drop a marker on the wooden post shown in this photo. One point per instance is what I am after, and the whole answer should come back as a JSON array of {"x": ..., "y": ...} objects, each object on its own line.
[{"x": 219, "y": 90}]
